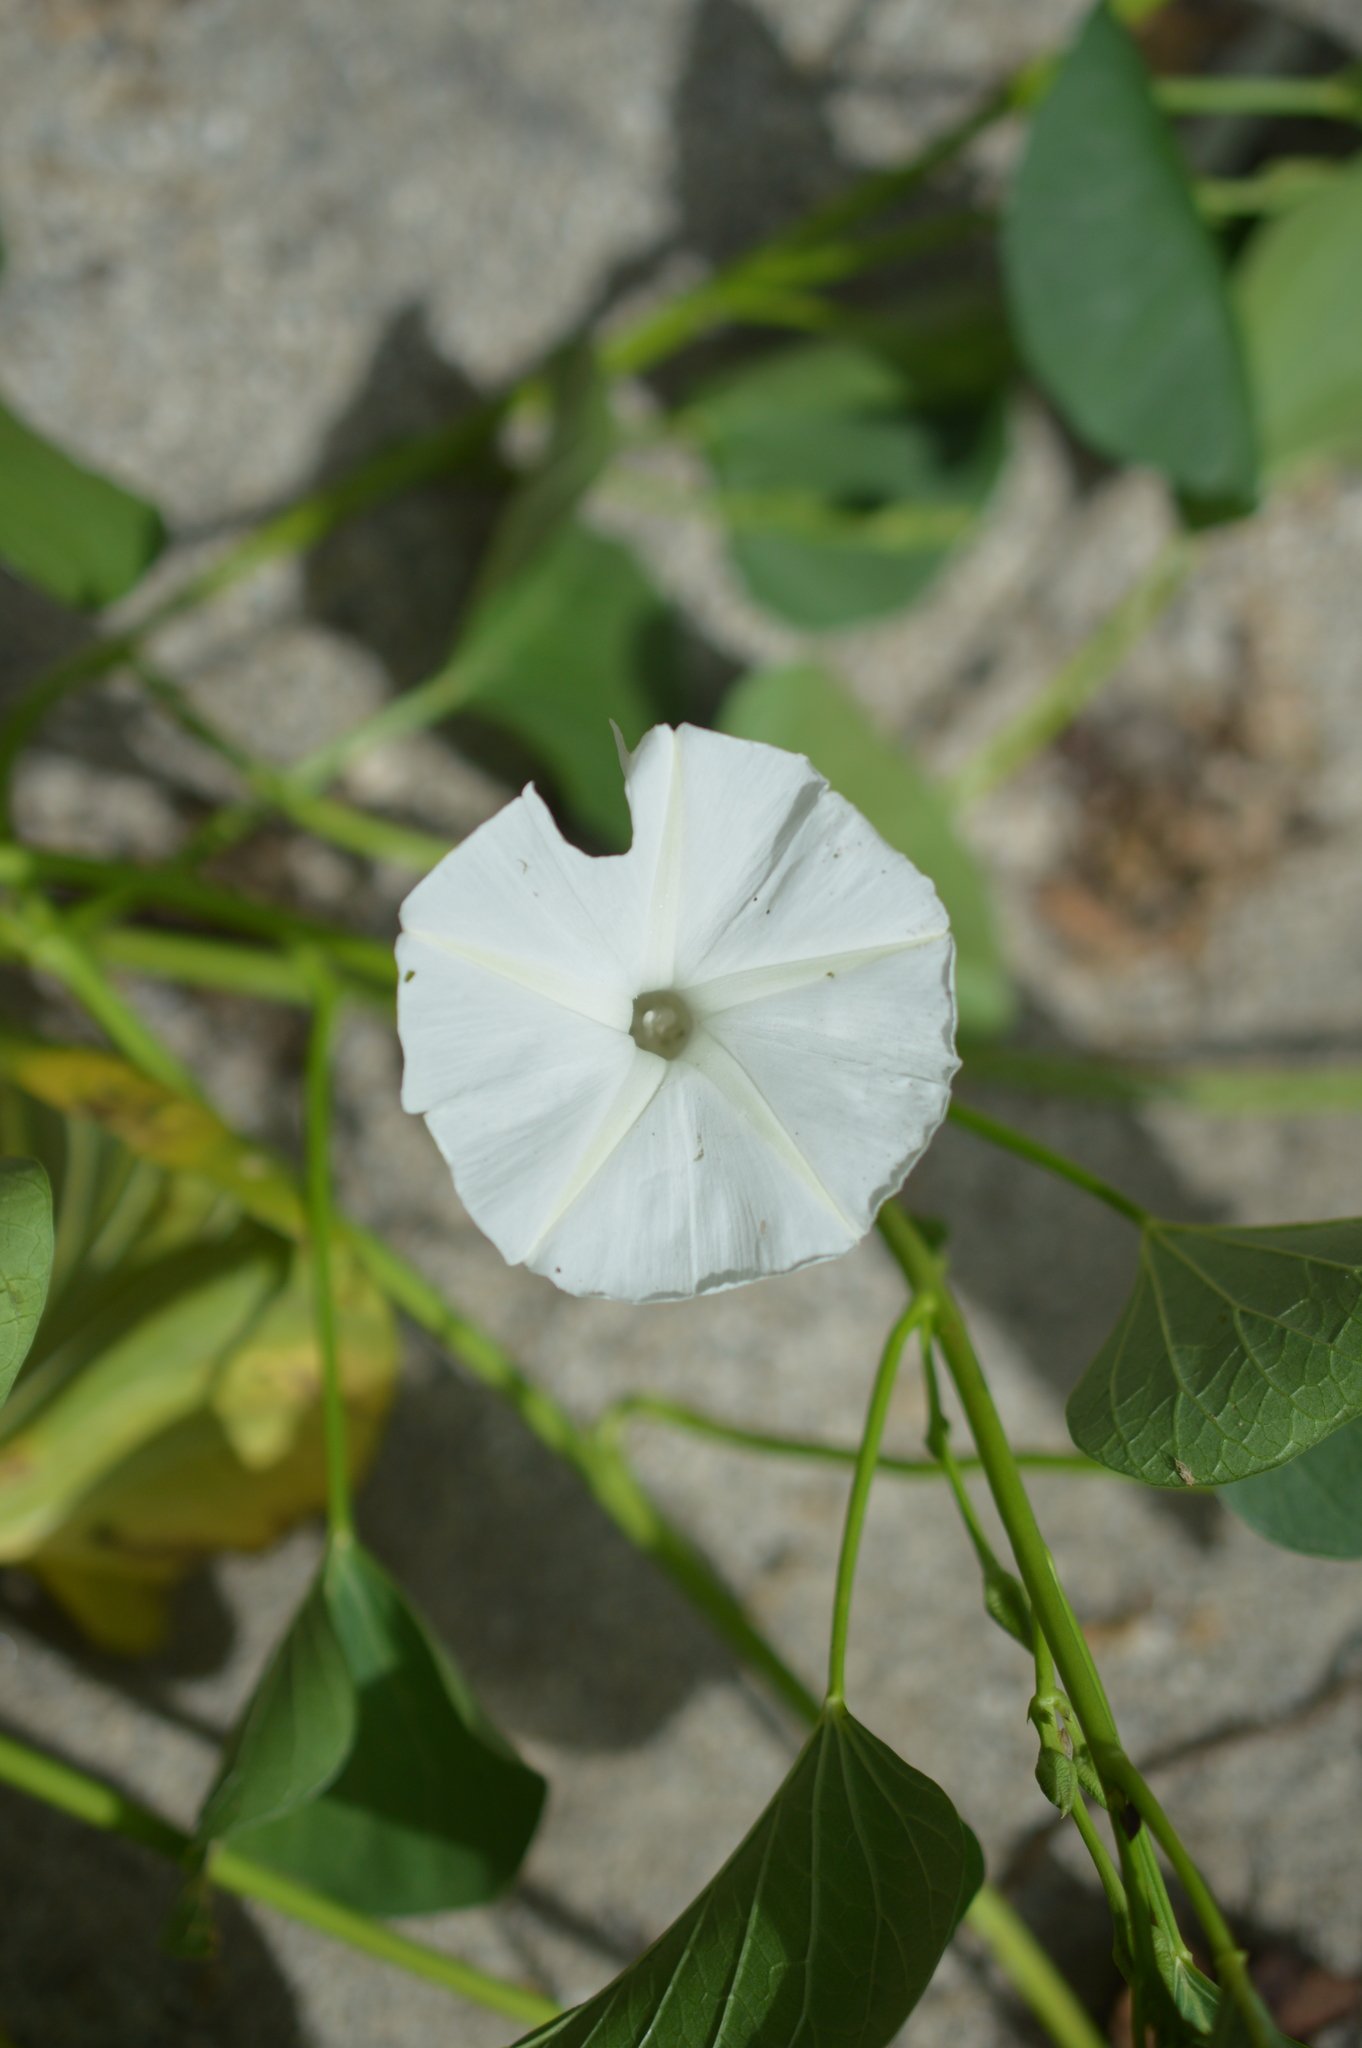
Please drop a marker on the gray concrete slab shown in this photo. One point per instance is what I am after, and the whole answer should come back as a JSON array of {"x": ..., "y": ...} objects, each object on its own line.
[{"x": 245, "y": 243}]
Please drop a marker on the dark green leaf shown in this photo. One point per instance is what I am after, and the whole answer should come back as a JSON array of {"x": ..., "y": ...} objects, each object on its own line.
[
  {"x": 578, "y": 638},
  {"x": 295, "y": 1734},
  {"x": 821, "y": 1931},
  {"x": 1300, "y": 300},
  {"x": 843, "y": 496},
  {"x": 972, "y": 1876},
  {"x": 432, "y": 1809},
  {"x": 1237, "y": 1350},
  {"x": 1117, "y": 290},
  {"x": 25, "y": 1260},
  {"x": 802, "y": 709},
  {"x": 579, "y": 445},
  {"x": 1313, "y": 1504},
  {"x": 71, "y": 532}
]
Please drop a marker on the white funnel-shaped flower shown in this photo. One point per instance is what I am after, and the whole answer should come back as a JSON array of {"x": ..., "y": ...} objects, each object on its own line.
[{"x": 697, "y": 1063}]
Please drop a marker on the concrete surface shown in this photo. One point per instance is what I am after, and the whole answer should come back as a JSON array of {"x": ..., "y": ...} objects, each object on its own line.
[{"x": 244, "y": 243}]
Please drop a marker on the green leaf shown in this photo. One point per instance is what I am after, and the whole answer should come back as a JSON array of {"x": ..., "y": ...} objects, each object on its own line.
[
  {"x": 74, "y": 534},
  {"x": 143, "y": 1362},
  {"x": 802, "y": 708},
  {"x": 580, "y": 442},
  {"x": 432, "y": 1808},
  {"x": 25, "y": 1260},
  {"x": 578, "y": 638},
  {"x": 1313, "y": 1504},
  {"x": 823, "y": 1928},
  {"x": 1299, "y": 290},
  {"x": 972, "y": 1875},
  {"x": 843, "y": 495},
  {"x": 296, "y": 1732},
  {"x": 1117, "y": 290},
  {"x": 1237, "y": 1350},
  {"x": 1195, "y": 1996}
]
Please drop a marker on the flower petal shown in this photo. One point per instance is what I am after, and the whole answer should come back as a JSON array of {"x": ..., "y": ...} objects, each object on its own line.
[
  {"x": 517, "y": 1090},
  {"x": 856, "y": 1067},
  {"x": 779, "y": 868},
  {"x": 516, "y": 899},
  {"x": 694, "y": 1199}
]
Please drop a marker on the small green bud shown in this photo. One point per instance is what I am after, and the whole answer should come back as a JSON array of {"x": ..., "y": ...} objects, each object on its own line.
[
  {"x": 1006, "y": 1602},
  {"x": 1057, "y": 1778}
]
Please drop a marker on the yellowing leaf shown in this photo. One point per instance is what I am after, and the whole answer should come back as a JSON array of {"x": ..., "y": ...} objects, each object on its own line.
[
  {"x": 155, "y": 1123},
  {"x": 155, "y": 1369},
  {"x": 271, "y": 1381}
]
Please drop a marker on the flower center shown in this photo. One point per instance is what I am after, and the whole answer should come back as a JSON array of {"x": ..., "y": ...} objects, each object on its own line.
[{"x": 662, "y": 1023}]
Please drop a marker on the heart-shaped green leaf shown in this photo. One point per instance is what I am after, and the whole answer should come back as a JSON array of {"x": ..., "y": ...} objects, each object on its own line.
[
  {"x": 1299, "y": 290},
  {"x": 801, "y": 708},
  {"x": 25, "y": 1260},
  {"x": 1237, "y": 1350},
  {"x": 1313, "y": 1504},
  {"x": 1118, "y": 293},
  {"x": 823, "y": 1928},
  {"x": 429, "y": 1807},
  {"x": 842, "y": 493},
  {"x": 74, "y": 534}
]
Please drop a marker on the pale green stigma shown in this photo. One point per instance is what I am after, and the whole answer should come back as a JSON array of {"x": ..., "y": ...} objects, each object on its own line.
[{"x": 662, "y": 1023}]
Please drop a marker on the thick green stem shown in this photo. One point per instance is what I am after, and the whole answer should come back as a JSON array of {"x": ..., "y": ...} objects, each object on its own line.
[
  {"x": 100, "y": 1806},
  {"x": 1056, "y": 1618},
  {"x": 866, "y": 1459},
  {"x": 1010, "y": 1140},
  {"x": 321, "y": 1225}
]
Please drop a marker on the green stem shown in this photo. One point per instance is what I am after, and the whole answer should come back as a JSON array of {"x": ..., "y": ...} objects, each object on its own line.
[
  {"x": 298, "y": 527},
  {"x": 1028, "y": 1967},
  {"x": 916, "y": 1313},
  {"x": 600, "y": 1465},
  {"x": 1313, "y": 1090},
  {"x": 36, "y": 932},
  {"x": 321, "y": 1225},
  {"x": 1276, "y": 189},
  {"x": 1010, "y": 1140},
  {"x": 100, "y": 1806},
  {"x": 1073, "y": 685},
  {"x": 674, "y": 1414},
  {"x": 1108, "y": 1875},
  {"x": 205, "y": 963},
  {"x": 1335, "y": 98},
  {"x": 341, "y": 824},
  {"x": 1056, "y": 1618},
  {"x": 127, "y": 885}
]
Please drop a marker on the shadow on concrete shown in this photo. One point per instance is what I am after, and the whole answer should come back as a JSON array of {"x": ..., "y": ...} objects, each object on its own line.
[
  {"x": 566, "y": 1632},
  {"x": 395, "y": 577},
  {"x": 80, "y": 1958}
]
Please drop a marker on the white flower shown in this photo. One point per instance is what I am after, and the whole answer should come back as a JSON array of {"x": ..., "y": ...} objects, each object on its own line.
[{"x": 689, "y": 1065}]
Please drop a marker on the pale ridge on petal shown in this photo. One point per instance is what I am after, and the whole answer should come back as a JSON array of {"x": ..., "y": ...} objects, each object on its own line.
[
  {"x": 658, "y": 963},
  {"x": 641, "y": 1082},
  {"x": 731, "y": 1078},
  {"x": 583, "y": 998},
  {"x": 751, "y": 984}
]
